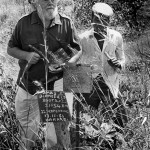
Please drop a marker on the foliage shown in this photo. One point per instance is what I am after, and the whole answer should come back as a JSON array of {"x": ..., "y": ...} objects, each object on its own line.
[
  {"x": 94, "y": 132},
  {"x": 82, "y": 14},
  {"x": 8, "y": 20},
  {"x": 9, "y": 125},
  {"x": 128, "y": 18},
  {"x": 129, "y": 15}
]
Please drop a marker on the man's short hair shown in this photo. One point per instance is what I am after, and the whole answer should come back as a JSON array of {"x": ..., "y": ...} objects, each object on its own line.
[{"x": 102, "y": 8}]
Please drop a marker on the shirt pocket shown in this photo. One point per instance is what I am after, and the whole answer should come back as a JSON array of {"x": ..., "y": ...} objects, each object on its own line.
[{"x": 32, "y": 42}]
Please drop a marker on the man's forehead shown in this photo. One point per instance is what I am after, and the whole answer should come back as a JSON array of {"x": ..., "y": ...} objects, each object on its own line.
[{"x": 102, "y": 8}]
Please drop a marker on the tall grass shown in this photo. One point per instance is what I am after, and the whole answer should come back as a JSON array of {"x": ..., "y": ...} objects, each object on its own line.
[
  {"x": 93, "y": 130},
  {"x": 10, "y": 12}
]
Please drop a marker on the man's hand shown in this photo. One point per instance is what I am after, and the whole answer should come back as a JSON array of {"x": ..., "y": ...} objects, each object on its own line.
[
  {"x": 32, "y": 58},
  {"x": 52, "y": 69},
  {"x": 114, "y": 63},
  {"x": 58, "y": 68},
  {"x": 68, "y": 64}
]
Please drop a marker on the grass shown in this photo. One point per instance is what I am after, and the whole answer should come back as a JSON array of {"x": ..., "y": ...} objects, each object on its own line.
[
  {"x": 94, "y": 132},
  {"x": 10, "y": 13}
]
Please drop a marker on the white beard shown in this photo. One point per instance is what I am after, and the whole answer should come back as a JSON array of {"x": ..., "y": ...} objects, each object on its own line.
[{"x": 51, "y": 15}]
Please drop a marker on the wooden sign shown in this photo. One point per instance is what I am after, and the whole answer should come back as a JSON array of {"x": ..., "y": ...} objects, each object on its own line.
[
  {"x": 78, "y": 79},
  {"x": 53, "y": 106}
]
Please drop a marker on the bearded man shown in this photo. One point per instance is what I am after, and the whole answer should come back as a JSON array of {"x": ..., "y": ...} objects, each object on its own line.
[{"x": 43, "y": 26}]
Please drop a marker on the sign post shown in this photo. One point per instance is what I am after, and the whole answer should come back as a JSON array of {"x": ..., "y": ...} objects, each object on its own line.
[
  {"x": 53, "y": 107},
  {"x": 78, "y": 79}
]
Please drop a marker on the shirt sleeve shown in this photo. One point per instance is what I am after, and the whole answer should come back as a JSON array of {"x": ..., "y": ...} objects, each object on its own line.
[
  {"x": 120, "y": 51},
  {"x": 74, "y": 39},
  {"x": 14, "y": 40}
]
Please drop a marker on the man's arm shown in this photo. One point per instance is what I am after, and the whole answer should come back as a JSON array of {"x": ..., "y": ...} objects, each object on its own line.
[
  {"x": 76, "y": 57},
  {"x": 14, "y": 47},
  {"x": 30, "y": 57},
  {"x": 119, "y": 61},
  {"x": 120, "y": 51},
  {"x": 74, "y": 43}
]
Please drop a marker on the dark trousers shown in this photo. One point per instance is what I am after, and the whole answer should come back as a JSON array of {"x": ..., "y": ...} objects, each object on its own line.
[{"x": 102, "y": 96}]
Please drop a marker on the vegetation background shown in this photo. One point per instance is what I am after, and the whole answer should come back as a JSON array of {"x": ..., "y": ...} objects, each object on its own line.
[{"x": 132, "y": 19}]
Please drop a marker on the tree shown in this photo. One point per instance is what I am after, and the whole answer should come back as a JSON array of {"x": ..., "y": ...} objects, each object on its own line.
[{"x": 127, "y": 15}]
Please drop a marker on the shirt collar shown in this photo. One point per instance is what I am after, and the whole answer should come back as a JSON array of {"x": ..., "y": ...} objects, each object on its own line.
[
  {"x": 35, "y": 19},
  {"x": 91, "y": 35},
  {"x": 56, "y": 20}
]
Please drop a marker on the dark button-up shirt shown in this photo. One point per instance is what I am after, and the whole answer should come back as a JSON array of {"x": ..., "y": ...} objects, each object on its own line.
[{"x": 29, "y": 31}]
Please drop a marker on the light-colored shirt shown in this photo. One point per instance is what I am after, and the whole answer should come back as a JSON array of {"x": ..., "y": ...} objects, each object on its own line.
[{"x": 92, "y": 54}]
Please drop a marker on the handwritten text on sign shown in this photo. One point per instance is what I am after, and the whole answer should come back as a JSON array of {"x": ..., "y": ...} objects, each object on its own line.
[{"x": 53, "y": 106}]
